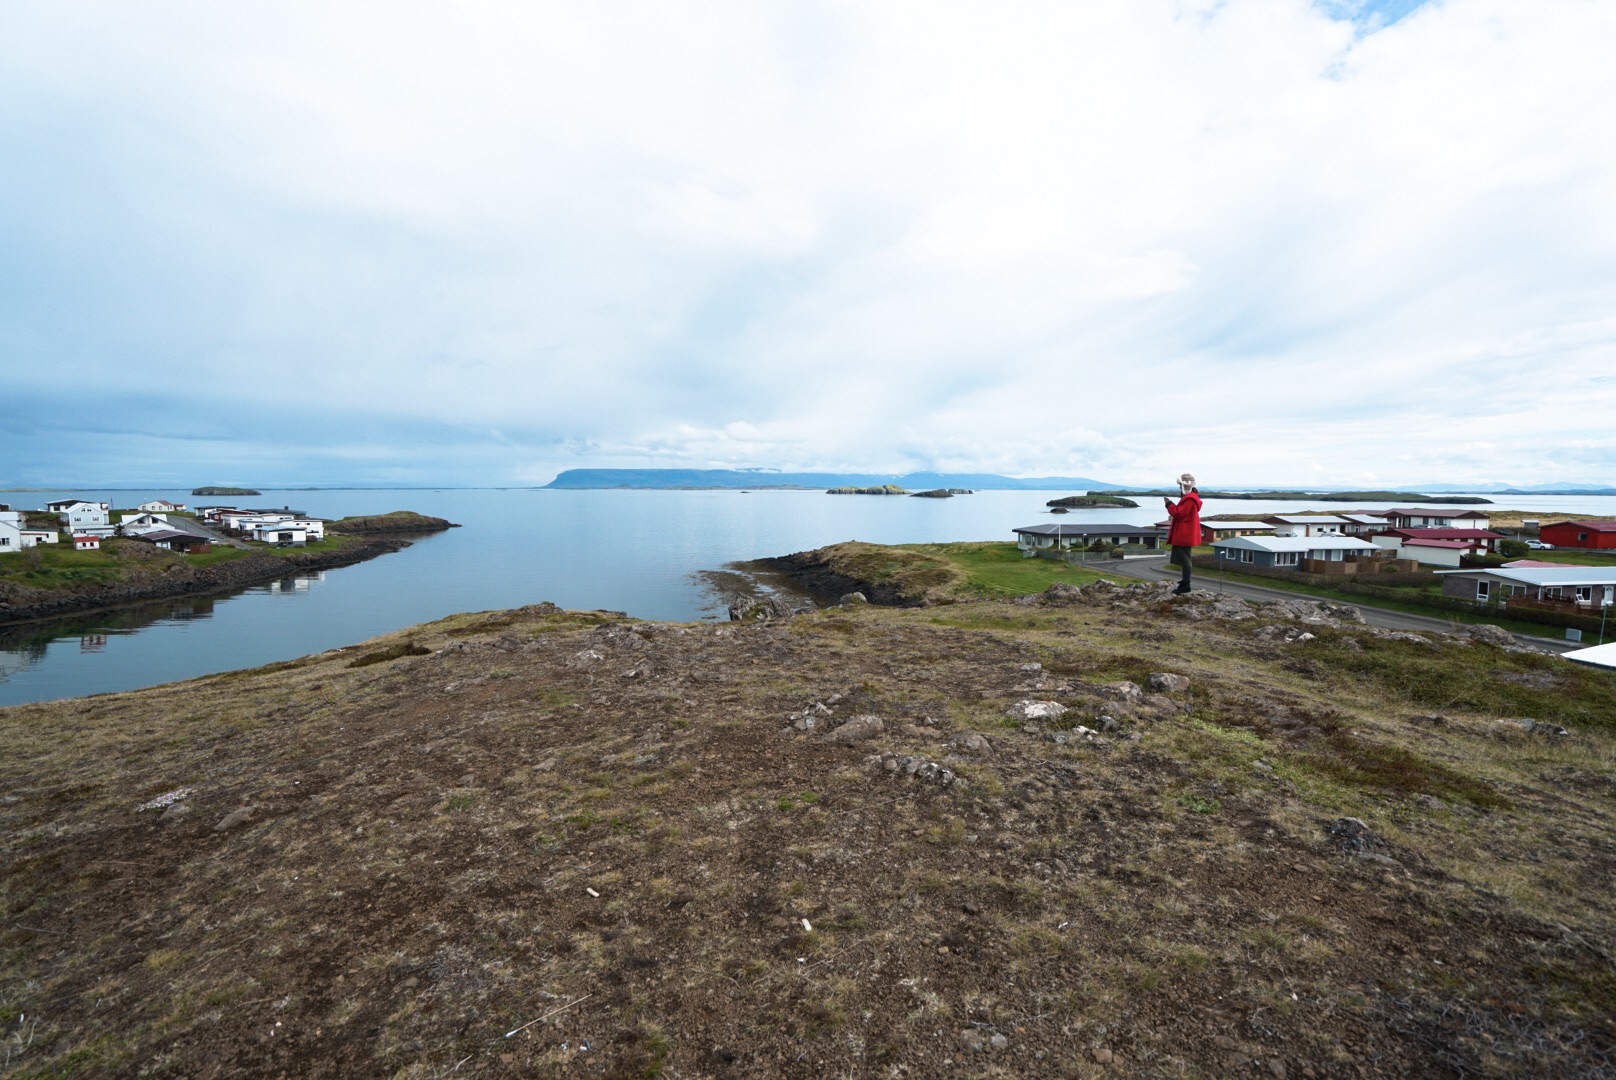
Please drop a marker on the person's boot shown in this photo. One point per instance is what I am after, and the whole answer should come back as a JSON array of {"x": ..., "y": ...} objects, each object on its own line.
[{"x": 1183, "y": 587}]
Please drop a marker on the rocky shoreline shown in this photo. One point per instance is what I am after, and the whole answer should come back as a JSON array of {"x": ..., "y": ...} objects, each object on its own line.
[
  {"x": 32, "y": 605},
  {"x": 811, "y": 572}
]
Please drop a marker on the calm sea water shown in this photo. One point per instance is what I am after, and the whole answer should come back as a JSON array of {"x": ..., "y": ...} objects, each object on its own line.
[{"x": 636, "y": 551}]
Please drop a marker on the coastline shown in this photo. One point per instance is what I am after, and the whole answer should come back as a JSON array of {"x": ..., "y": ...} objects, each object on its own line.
[{"x": 253, "y": 569}]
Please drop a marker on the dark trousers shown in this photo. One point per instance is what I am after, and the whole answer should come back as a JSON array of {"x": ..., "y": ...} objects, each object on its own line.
[{"x": 1181, "y": 558}]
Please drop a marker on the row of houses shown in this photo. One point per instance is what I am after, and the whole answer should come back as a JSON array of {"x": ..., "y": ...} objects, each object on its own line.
[{"x": 159, "y": 522}]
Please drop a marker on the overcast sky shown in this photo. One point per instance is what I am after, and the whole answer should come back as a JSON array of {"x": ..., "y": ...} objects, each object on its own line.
[{"x": 1269, "y": 241}]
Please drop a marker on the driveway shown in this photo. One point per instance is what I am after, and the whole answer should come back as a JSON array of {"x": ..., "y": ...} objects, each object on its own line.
[{"x": 1158, "y": 570}]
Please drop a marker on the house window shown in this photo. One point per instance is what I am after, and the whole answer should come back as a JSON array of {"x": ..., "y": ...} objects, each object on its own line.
[
  {"x": 1245, "y": 556},
  {"x": 1484, "y": 590},
  {"x": 1582, "y": 538},
  {"x": 1285, "y": 558},
  {"x": 1585, "y": 594}
]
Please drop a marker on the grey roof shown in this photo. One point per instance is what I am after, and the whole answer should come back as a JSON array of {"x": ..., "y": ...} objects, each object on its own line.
[
  {"x": 1088, "y": 529},
  {"x": 167, "y": 534},
  {"x": 1541, "y": 577}
]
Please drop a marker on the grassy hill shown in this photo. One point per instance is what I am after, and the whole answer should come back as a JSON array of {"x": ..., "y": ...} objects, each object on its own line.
[{"x": 538, "y": 842}]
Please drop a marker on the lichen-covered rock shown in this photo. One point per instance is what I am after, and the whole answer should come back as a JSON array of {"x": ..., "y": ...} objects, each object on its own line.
[{"x": 1036, "y": 710}]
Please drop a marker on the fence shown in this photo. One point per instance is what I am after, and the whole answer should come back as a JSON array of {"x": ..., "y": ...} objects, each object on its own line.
[
  {"x": 1397, "y": 579},
  {"x": 1402, "y": 590}
]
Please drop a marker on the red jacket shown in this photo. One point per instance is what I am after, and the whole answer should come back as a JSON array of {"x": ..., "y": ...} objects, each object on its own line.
[{"x": 1186, "y": 515}]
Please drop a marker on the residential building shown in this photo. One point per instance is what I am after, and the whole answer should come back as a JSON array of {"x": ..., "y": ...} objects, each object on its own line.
[
  {"x": 1426, "y": 517},
  {"x": 1212, "y": 531},
  {"x": 86, "y": 542},
  {"x": 1290, "y": 552},
  {"x": 1306, "y": 524},
  {"x": 1448, "y": 553},
  {"x": 1584, "y": 586},
  {"x": 79, "y": 515},
  {"x": 174, "y": 540},
  {"x": 1038, "y": 539},
  {"x": 15, "y": 535},
  {"x": 161, "y": 506},
  {"x": 280, "y": 532},
  {"x": 1481, "y": 541},
  {"x": 1580, "y": 534}
]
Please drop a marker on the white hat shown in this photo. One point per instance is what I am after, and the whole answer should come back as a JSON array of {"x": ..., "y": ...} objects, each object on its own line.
[{"x": 1186, "y": 481}]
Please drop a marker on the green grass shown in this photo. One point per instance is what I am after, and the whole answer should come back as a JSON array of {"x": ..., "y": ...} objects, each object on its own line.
[{"x": 999, "y": 569}]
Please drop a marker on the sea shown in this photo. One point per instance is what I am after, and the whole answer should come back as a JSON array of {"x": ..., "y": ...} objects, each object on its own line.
[{"x": 652, "y": 554}]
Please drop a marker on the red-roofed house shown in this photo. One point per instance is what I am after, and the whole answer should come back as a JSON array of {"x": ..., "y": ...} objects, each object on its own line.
[
  {"x": 86, "y": 542},
  {"x": 1580, "y": 534}
]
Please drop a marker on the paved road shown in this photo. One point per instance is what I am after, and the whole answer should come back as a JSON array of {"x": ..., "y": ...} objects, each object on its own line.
[{"x": 1158, "y": 570}]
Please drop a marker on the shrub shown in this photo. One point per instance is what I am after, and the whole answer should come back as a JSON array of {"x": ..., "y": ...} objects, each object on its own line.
[{"x": 1513, "y": 549}]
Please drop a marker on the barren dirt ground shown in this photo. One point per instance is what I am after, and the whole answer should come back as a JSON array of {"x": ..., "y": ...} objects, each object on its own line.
[{"x": 548, "y": 843}]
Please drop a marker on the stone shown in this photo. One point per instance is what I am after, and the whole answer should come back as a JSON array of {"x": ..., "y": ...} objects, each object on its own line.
[
  {"x": 1492, "y": 635},
  {"x": 1062, "y": 593},
  {"x": 1030, "y": 667},
  {"x": 1167, "y": 683},
  {"x": 239, "y": 816},
  {"x": 1107, "y": 723},
  {"x": 1037, "y": 710},
  {"x": 998, "y": 1043},
  {"x": 971, "y": 1039},
  {"x": 849, "y": 599},
  {"x": 1123, "y": 690},
  {"x": 1103, "y": 1056},
  {"x": 175, "y": 813},
  {"x": 1354, "y": 836},
  {"x": 972, "y": 742},
  {"x": 586, "y": 658},
  {"x": 857, "y": 729},
  {"x": 890, "y": 764}
]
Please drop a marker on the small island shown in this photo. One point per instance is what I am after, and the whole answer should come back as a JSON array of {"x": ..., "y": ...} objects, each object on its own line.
[
  {"x": 883, "y": 489},
  {"x": 941, "y": 493},
  {"x": 1090, "y": 502},
  {"x": 224, "y": 491}
]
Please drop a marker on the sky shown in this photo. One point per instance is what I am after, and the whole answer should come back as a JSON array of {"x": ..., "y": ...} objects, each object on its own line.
[{"x": 1342, "y": 242}]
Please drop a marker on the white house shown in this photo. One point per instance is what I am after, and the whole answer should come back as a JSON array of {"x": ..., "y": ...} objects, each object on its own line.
[
  {"x": 143, "y": 522},
  {"x": 161, "y": 506},
  {"x": 16, "y": 536},
  {"x": 1287, "y": 552},
  {"x": 10, "y": 532},
  {"x": 313, "y": 528},
  {"x": 1307, "y": 525},
  {"x": 280, "y": 532},
  {"x": 86, "y": 542},
  {"x": 81, "y": 516}
]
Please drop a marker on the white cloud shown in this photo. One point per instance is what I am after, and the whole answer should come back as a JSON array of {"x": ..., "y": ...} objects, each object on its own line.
[{"x": 1033, "y": 239}]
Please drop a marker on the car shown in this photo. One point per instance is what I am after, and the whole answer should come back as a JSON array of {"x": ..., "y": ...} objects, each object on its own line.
[{"x": 1538, "y": 545}]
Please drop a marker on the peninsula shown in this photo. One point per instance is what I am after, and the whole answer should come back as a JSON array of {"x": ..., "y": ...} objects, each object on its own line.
[
  {"x": 55, "y": 580},
  {"x": 1098, "y": 830},
  {"x": 1321, "y": 496}
]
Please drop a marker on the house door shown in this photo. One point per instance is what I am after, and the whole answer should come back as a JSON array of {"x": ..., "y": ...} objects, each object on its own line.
[{"x": 1484, "y": 590}]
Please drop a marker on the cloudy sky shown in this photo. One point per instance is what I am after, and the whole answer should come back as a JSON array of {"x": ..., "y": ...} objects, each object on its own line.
[{"x": 1271, "y": 241}]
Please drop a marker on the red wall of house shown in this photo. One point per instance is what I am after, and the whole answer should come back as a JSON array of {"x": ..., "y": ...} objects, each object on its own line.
[{"x": 1565, "y": 535}]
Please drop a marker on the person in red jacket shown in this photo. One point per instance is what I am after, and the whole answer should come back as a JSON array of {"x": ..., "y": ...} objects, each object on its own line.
[{"x": 1185, "y": 532}]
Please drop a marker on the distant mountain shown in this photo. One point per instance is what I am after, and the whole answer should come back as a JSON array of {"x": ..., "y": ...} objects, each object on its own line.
[
  {"x": 576, "y": 479},
  {"x": 1515, "y": 489}
]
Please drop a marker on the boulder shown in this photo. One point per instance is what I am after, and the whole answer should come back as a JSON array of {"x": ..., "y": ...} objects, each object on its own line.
[
  {"x": 1037, "y": 710},
  {"x": 857, "y": 729},
  {"x": 1167, "y": 683},
  {"x": 849, "y": 599},
  {"x": 1492, "y": 635},
  {"x": 1062, "y": 593},
  {"x": 1123, "y": 690},
  {"x": 972, "y": 742},
  {"x": 1354, "y": 836}
]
